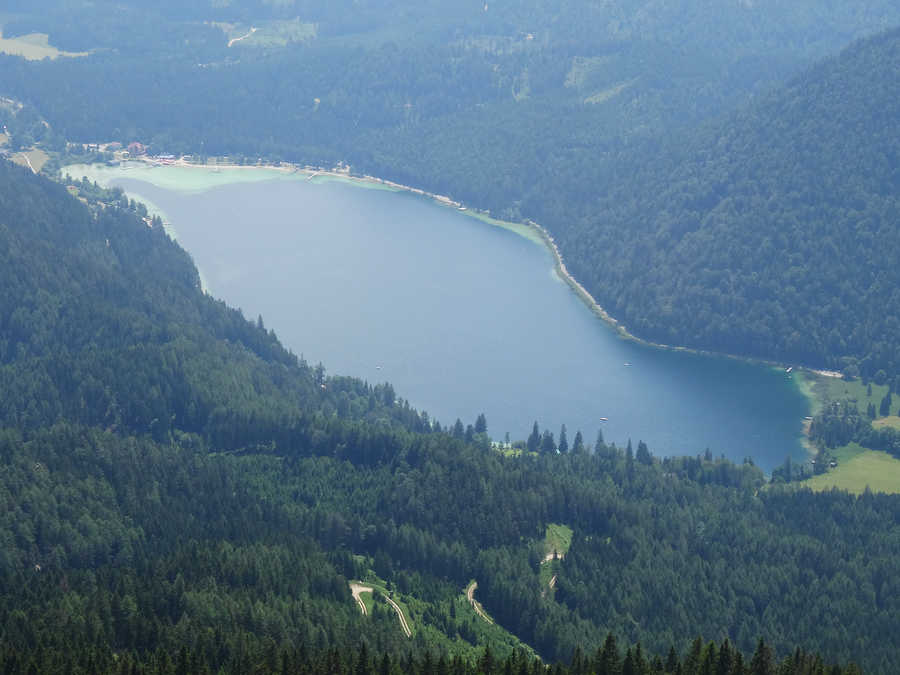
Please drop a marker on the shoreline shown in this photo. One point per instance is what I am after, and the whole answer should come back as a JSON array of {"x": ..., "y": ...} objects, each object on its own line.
[
  {"x": 527, "y": 229},
  {"x": 543, "y": 235}
]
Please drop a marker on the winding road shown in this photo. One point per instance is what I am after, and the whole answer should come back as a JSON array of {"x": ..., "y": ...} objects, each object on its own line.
[
  {"x": 243, "y": 37},
  {"x": 470, "y": 595},
  {"x": 356, "y": 590}
]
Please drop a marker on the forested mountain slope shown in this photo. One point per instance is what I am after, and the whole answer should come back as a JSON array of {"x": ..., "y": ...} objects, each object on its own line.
[
  {"x": 227, "y": 533},
  {"x": 103, "y": 323},
  {"x": 773, "y": 232}
]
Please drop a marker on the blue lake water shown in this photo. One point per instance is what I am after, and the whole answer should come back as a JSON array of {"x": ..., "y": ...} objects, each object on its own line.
[{"x": 462, "y": 318}]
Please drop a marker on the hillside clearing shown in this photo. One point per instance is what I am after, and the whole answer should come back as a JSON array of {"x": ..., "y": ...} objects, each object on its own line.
[
  {"x": 891, "y": 422},
  {"x": 859, "y": 468},
  {"x": 837, "y": 389},
  {"x": 33, "y": 47},
  {"x": 557, "y": 541},
  {"x": 34, "y": 159}
]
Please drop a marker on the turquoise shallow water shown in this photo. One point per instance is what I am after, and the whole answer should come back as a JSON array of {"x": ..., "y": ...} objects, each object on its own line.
[{"x": 460, "y": 317}]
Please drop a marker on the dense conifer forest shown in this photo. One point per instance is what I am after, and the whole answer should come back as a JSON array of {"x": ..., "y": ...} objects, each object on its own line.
[
  {"x": 180, "y": 493},
  {"x": 183, "y": 488}
]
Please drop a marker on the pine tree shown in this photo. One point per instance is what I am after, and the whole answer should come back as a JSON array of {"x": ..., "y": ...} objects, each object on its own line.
[{"x": 563, "y": 442}]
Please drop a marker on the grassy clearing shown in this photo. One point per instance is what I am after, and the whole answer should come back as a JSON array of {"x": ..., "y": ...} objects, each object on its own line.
[
  {"x": 892, "y": 422},
  {"x": 558, "y": 539},
  {"x": 35, "y": 158},
  {"x": 369, "y": 601},
  {"x": 859, "y": 468},
  {"x": 33, "y": 47},
  {"x": 847, "y": 452},
  {"x": 836, "y": 388}
]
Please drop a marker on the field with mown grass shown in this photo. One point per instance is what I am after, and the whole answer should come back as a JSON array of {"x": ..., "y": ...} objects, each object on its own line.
[{"x": 857, "y": 469}]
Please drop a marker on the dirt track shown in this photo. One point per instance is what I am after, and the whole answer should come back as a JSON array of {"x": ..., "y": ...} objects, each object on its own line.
[
  {"x": 399, "y": 614},
  {"x": 470, "y": 595},
  {"x": 356, "y": 589}
]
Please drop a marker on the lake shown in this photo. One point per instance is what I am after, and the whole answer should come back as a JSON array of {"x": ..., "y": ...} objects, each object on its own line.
[{"x": 460, "y": 316}]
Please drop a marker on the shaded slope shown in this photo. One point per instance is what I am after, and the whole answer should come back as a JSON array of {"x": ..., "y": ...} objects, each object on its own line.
[
  {"x": 772, "y": 233},
  {"x": 102, "y": 322}
]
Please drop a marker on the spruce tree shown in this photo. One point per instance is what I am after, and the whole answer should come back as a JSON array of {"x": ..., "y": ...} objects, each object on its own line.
[
  {"x": 481, "y": 424},
  {"x": 578, "y": 443},
  {"x": 548, "y": 445},
  {"x": 534, "y": 440},
  {"x": 563, "y": 442},
  {"x": 885, "y": 408}
]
